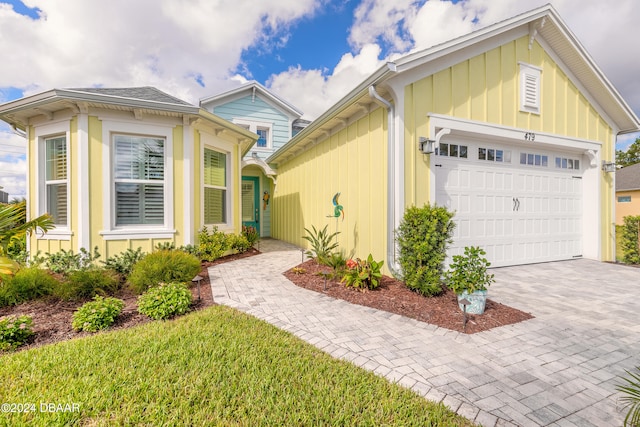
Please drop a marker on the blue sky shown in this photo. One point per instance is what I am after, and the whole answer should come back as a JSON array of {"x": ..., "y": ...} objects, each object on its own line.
[{"x": 197, "y": 48}]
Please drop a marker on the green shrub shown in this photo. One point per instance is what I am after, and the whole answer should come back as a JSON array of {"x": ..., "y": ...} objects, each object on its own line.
[
  {"x": 190, "y": 249},
  {"x": 163, "y": 267},
  {"x": 631, "y": 397},
  {"x": 165, "y": 300},
  {"x": 251, "y": 234},
  {"x": 212, "y": 246},
  {"x": 165, "y": 246},
  {"x": 123, "y": 263},
  {"x": 87, "y": 283},
  {"x": 27, "y": 284},
  {"x": 321, "y": 243},
  {"x": 631, "y": 240},
  {"x": 66, "y": 261},
  {"x": 468, "y": 272},
  {"x": 239, "y": 243},
  {"x": 14, "y": 331},
  {"x": 423, "y": 236},
  {"x": 97, "y": 314},
  {"x": 363, "y": 274},
  {"x": 337, "y": 262}
]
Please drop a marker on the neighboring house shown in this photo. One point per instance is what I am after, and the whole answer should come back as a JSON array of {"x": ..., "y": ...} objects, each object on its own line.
[
  {"x": 627, "y": 192},
  {"x": 127, "y": 168},
  {"x": 275, "y": 121},
  {"x": 4, "y": 196},
  {"x": 507, "y": 126}
]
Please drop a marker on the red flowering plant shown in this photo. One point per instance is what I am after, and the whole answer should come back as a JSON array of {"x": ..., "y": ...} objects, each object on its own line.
[{"x": 363, "y": 274}]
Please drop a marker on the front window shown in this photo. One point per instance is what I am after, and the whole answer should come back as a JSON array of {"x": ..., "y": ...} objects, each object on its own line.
[
  {"x": 262, "y": 129},
  {"x": 56, "y": 183},
  {"x": 215, "y": 187},
  {"x": 263, "y": 137},
  {"x": 139, "y": 180}
]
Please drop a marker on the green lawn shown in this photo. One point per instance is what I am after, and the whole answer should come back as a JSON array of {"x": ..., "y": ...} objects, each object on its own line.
[{"x": 214, "y": 367}]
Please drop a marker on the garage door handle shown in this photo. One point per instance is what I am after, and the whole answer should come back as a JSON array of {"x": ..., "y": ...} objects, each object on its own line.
[
  {"x": 516, "y": 204},
  {"x": 438, "y": 166}
]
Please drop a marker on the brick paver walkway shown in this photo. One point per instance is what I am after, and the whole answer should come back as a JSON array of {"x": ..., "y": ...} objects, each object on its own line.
[{"x": 559, "y": 369}]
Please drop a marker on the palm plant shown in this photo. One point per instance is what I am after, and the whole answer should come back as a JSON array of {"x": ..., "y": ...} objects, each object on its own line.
[
  {"x": 631, "y": 390},
  {"x": 321, "y": 243},
  {"x": 13, "y": 226}
]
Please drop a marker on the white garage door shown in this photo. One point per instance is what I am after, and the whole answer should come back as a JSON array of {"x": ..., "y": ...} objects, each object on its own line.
[{"x": 522, "y": 205}]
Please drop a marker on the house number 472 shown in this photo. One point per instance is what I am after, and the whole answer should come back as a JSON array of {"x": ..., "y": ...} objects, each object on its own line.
[{"x": 529, "y": 136}]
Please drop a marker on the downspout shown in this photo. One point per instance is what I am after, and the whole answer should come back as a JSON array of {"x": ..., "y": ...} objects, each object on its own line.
[{"x": 393, "y": 202}]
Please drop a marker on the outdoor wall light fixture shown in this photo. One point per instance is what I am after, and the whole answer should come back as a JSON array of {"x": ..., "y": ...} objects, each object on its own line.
[
  {"x": 609, "y": 166},
  {"x": 425, "y": 145}
]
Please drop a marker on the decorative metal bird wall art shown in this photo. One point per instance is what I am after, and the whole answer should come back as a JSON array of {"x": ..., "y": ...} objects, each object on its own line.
[
  {"x": 265, "y": 200},
  {"x": 337, "y": 207}
]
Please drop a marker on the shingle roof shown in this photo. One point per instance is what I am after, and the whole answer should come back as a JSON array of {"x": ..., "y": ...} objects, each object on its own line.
[
  {"x": 628, "y": 178},
  {"x": 145, "y": 93}
]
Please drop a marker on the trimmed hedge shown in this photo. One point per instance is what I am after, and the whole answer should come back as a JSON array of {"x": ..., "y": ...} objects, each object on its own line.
[{"x": 423, "y": 237}]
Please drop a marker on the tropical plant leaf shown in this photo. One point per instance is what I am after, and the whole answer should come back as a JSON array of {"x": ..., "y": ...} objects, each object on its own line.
[{"x": 631, "y": 397}]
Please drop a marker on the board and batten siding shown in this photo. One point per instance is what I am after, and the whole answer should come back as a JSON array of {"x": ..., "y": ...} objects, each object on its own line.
[
  {"x": 259, "y": 111},
  {"x": 485, "y": 88},
  {"x": 352, "y": 162}
]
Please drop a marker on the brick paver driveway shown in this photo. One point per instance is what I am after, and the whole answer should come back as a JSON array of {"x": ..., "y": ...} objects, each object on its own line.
[{"x": 558, "y": 369}]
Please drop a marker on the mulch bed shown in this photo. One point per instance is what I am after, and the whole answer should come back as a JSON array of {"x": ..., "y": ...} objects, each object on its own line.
[
  {"x": 394, "y": 297},
  {"x": 52, "y": 317}
]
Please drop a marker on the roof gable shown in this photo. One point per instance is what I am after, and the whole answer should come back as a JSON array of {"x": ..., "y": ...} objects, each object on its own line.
[
  {"x": 543, "y": 25},
  {"x": 251, "y": 89}
]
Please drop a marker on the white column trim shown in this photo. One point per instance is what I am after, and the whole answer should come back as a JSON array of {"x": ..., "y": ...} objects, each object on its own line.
[
  {"x": 189, "y": 190},
  {"x": 84, "y": 232}
]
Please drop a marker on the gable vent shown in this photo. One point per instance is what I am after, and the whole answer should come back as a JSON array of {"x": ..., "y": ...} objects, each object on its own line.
[{"x": 530, "y": 88}]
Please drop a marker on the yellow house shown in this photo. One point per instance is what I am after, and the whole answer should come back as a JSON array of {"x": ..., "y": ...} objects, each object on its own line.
[
  {"x": 627, "y": 192},
  {"x": 508, "y": 126},
  {"x": 127, "y": 168}
]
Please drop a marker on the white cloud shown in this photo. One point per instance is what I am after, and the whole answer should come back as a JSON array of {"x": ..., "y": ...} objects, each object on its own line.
[
  {"x": 164, "y": 43},
  {"x": 12, "y": 163},
  {"x": 321, "y": 90},
  {"x": 171, "y": 44}
]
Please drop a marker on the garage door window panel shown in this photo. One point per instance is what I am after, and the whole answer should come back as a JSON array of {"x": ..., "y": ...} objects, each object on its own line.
[
  {"x": 452, "y": 150},
  {"x": 534, "y": 159}
]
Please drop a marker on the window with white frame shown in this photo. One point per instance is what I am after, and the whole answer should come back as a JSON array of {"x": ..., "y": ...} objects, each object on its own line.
[
  {"x": 530, "y": 81},
  {"x": 494, "y": 155},
  {"x": 215, "y": 187},
  {"x": 263, "y": 130},
  {"x": 56, "y": 179},
  {"x": 533, "y": 159},
  {"x": 452, "y": 150},
  {"x": 139, "y": 180},
  {"x": 566, "y": 163}
]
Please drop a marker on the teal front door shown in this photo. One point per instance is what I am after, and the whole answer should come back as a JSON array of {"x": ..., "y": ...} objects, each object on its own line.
[{"x": 251, "y": 202}]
